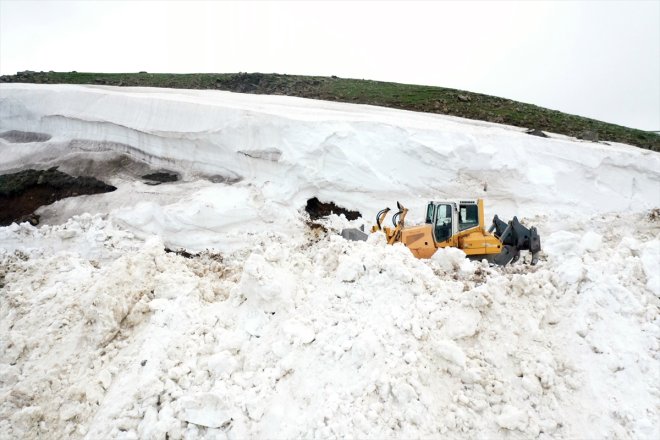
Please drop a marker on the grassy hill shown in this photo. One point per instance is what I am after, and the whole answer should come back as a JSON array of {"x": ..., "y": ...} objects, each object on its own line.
[{"x": 402, "y": 96}]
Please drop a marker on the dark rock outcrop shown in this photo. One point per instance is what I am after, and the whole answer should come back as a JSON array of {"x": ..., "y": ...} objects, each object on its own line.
[
  {"x": 23, "y": 192},
  {"x": 317, "y": 209}
]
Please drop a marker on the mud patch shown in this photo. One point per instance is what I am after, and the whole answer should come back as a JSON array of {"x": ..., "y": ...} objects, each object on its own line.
[
  {"x": 24, "y": 137},
  {"x": 23, "y": 192},
  {"x": 317, "y": 209}
]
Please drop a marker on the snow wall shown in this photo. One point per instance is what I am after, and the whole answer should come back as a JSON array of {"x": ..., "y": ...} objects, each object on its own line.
[{"x": 273, "y": 153}]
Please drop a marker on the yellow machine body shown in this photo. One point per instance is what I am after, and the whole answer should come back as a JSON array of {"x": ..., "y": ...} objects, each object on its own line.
[{"x": 461, "y": 225}]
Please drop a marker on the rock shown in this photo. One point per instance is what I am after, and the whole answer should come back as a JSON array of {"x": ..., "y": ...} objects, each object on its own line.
[
  {"x": 161, "y": 177},
  {"x": 464, "y": 98},
  {"x": 23, "y": 192},
  {"x": 32, "y": 219},
  {"x": 317, "y": 209},
  {"x": 536, "y": 132},
  {"x": 589, "y": 135}
]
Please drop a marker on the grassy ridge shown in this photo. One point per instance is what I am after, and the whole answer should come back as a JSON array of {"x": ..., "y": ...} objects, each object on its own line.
[{"x": 402, "y": 96}]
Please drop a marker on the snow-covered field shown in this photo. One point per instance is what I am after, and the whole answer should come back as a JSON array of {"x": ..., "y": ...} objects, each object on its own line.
[{"x": 277, "y": 331}]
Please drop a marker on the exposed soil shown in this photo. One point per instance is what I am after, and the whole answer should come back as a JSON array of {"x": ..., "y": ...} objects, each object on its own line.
[
  {"x": 24, "y": 192},
  {"x": 215, "y": 256},
  {"x": 317, "y": 209},
  {"x": 654, "y": 215}
]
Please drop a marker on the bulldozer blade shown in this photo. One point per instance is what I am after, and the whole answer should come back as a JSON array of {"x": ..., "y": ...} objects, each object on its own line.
[
  {"x": 534, "y": 241},
  {"x": 508, "y": 254},
  {"x": 515, "y": 238},
  {"x": 535, "y": 258}
]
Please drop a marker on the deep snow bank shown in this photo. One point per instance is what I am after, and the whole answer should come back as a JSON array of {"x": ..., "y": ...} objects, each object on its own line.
[{"x": 275, "y": 152}]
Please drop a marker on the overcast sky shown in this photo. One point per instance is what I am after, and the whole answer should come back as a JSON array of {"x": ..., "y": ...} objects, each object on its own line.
[{"x": 596, "y": 59}]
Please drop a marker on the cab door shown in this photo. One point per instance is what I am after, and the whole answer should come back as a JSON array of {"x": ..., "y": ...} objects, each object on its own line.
[{"x": 443, "y": 227}]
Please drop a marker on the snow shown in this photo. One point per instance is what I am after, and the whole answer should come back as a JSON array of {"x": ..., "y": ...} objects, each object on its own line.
[{"x": 277, "y": 331}]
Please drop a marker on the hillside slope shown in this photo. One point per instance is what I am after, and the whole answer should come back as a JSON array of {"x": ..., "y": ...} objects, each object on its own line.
[{"x": 402, "y": 96}]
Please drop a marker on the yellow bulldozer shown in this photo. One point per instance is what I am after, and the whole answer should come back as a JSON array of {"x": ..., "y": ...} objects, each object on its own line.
[{"x": 459, "y": 224}]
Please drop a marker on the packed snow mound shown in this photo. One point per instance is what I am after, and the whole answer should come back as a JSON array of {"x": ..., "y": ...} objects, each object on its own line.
[
  {"x": 327, "y": 339},
  {"x": 264, "y": 156}
]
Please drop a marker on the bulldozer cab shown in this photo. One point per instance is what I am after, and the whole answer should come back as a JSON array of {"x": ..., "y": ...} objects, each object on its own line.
[{"x": 449, "y": 218}]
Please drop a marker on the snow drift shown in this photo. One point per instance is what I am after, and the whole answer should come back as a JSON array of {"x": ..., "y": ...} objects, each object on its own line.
[{"x": 279, "y": 331}]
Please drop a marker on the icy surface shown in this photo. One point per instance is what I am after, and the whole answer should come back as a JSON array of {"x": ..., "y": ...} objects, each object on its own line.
[{"x": 280, "y": 331}]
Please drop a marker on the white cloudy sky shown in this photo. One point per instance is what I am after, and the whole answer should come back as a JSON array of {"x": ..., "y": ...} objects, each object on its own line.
[{"x": 597, "y": 59}]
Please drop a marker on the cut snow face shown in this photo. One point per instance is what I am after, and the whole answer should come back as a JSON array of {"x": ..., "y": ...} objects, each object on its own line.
[
  {"x": 204, "y": 308},
  {"x": 278, "y": 152}
]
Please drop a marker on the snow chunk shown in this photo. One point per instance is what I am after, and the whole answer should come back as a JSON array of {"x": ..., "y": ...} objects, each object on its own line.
[
  {"x": 651, "y": 262},
  {"x": 451, "y": 352},
  {"x": 222, "y": 363},
  {"x": 265, "y": 286},
  {"x": 571, "y": 270},
  {"x": 298, "y": 332},
  {"x": 561, "y": 243},
  {"x": 461, "y": 322},
  {"x": 451, "y": 259},
  {"x": 403, "y": 392},
  {"x": 349, "y": 269},
  {"x": 591, "y": 241},
  {"x": 205, "y": 409},
  {"x": 512, "y": 418},
  {"x": 365, "y": 347},
  {"x": 171, "y": 285}
]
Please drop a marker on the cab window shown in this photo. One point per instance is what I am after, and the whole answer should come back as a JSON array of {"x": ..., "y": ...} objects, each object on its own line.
[
  {"x": 468, "y": 217},
  {"x": 442, "y": 228},
  {"x": 429, "y": 213}
]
